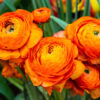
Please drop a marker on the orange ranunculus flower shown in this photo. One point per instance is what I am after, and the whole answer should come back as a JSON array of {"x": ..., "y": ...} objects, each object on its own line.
[
  {"x": 85, "y": 33},
  {"x": 79, "y": 69},
  {"x": 17, "y": 34},
  {"x": 81, "y": 4},
  {"x": 59, "y": 34},
  {"x": 51, "y": 62},
  {"x": 95, "y": 93},
  {"x": 41, "y": 15},
  {"x": 1, "y": 1},
  {"x": 10, "y": 71},
  {"x": 95, "y": 6},
  {"x": 74, "y": 88},
  {"x": 90, "y": 79}
]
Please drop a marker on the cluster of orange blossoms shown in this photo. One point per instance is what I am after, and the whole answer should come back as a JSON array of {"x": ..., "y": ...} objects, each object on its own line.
[
  {"x": 94, "y": 6},
  {"x": 70, "y": 59}
]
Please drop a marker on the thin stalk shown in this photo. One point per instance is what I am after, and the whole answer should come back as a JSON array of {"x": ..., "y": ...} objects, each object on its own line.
[
  {"x": 43, "y": 3},
  {"x": 62, "y": 10},
  {"x": 27, "y": 85},
  {"x": 68, "y": 11},
  {"x": 58, "y": 96},
  {"x": 15, "y": 83},
  {"x": 76, "y": 10},
  {"x": 28, "y": 88},
  {"x": 20, "y": 71},
  {"x": 39, "y": 3},
  {"x": 34, "y": 4},
  {"x": 58, "y": 8},
  {"x": 87, "y": 8}
]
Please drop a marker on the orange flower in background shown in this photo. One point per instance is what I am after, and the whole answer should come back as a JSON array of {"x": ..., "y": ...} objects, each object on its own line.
[
  {"x": 90, "y": 79},
  {"x": 41, "y": 15},
  {"x": 85, "y": 33},
  {"x": 50, "y": 63},
  {"x": 81, "y": 4},
  {"x": 95, "y": 6},
  {"x": 95, "y": 93},
  {"x": 74, "y": 88},
  {"x": 59, "y": 34},
  {"x": 10, "y": 71},
  {"x": 1, "y": 1},
  {"x": 17, "y": 34}
]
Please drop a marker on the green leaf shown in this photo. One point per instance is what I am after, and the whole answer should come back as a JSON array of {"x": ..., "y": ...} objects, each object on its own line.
[
  {"x": 68, "y": 11},
  {"x": 32, "y": 92},
  {"x": 29, "y": 88},
  {"x": 16, "y": 82},
  {"x": 87, "y": 8},
  {"x": 60, "y": 22},
  {"x": 5, "y": 8},
  {"x": 20, "y": 97},
  {"x": 5, "y": 89},
  {"x": 7, "y": 3}
]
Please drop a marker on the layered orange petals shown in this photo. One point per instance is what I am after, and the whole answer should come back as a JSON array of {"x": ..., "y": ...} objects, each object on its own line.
[
  {"x": 79, "y": 69},
  {"x": 85, "y": 33},
  {"x": 90, "y": 79},
  {"x": 9, "y": 70},
  {"x": 51, "y": 61},
  {"x": 41, "y": 15},
  {"x": 12, "y": 30},
  {"x": 16, "y": 32},
  {"x": 35, "y": 36}
]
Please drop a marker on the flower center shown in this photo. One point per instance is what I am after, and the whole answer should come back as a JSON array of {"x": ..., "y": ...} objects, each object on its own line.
[
  {"x": 96, "y": 32},
  {"x": 50, "y": 49},
  {"x": 9, "y": 27},
  {"x": 87, "y": 71}
]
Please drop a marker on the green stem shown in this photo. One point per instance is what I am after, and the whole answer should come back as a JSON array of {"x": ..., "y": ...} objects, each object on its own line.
[
  {"x": 34, "y": 4},
  {"x": 87, "y": 8},
  {"x": 20, "y": 71},
  {"x": 45, "y": 95},
  {"x": 68, "y": 11},
  {"x": 39, "y": 3},
  {"x": 76, "y": 10},
  {"x": 7, "y": 3},
  {"x": 28, "y": 88},
  {"x": 28, "y": 85},
  {"x": 15, "y": 83},
  {"x": 58, "y": 96}
]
